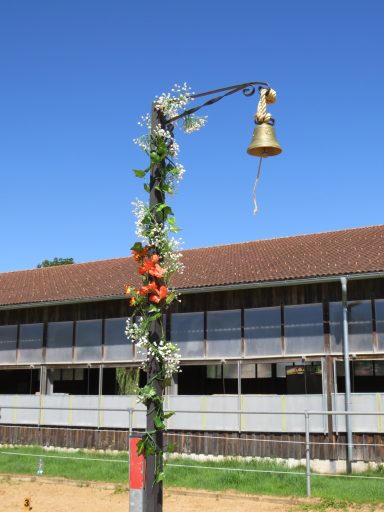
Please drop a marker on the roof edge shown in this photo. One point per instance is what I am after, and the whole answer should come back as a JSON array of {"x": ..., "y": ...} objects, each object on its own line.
[{"x": 204, "y": 289}]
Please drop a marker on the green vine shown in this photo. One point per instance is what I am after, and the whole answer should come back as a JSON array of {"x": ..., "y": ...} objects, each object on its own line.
[{"x": 158, "y": 258}]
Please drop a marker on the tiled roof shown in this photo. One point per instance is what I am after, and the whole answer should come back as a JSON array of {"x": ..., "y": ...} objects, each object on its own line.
[{"x": 343, "y": 252}]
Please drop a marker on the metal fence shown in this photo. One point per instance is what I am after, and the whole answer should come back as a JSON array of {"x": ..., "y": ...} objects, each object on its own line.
[
  {"x": 40, "y": 413},
  {"x": 224, "y": 413}
]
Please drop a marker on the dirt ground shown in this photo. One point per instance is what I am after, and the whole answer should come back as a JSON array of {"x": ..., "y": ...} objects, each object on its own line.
[{"x": 56, "y": 495}]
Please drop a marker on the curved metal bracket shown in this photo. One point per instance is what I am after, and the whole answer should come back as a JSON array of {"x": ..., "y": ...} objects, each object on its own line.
[{"x": 248, "y": 89}]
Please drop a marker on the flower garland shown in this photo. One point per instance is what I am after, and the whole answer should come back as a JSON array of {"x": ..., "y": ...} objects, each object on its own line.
[{"x": 158, "y": 257}]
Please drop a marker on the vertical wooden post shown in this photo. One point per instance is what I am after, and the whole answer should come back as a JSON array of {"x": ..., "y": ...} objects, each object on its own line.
[{"x": 153, "y": 489}]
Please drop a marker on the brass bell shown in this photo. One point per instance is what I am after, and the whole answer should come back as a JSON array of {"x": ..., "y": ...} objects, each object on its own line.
[{"x": 264, "y": 142}]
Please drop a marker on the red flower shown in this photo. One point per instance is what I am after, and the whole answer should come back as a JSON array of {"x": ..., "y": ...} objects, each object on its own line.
[
  {"x": 159, "y": 294},
  {"x": 151, "y": 267},
  {"x": 139, "y": 255},
  {"x": 149, "y": 288}
]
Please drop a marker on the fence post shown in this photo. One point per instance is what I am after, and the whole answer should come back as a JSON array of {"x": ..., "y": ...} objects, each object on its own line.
[
  {"x": 129, "y": 442},
  {"x": 136, "y": 477},
  {"x": 307, "y": 454}
]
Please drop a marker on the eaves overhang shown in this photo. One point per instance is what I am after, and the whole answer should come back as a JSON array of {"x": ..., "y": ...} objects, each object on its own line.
[{"x": 208, "y": 289}]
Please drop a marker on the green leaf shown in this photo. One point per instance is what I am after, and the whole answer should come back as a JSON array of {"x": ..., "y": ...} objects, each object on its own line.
[
  {"x": 168, "y": 415},
  {"x": 164, "y": 209},
  {"x": 171, "y": 297},
  {"x": 155, "y": 157},
  {"x": 137, "y": 246},
  {"x": 139, "y": 173},
  {"x": 141, "y": 447},
  {"x": 172, "y": 221},
  {"x": 167, "y": 189},
  {"x": 174, "y": 229},
  {"x": 160, "y": 477},
  {"x": 159, "y": 424},
  {"x": 146, "y": 187},
  {"x": 155, "y": 316}
]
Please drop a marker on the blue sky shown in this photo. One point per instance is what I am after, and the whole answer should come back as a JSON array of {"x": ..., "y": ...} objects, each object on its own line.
[{"x": 77, "y": 76}]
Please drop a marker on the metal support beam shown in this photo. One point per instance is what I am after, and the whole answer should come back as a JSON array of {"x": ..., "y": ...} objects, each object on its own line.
[{"x": 348, "y": 401}]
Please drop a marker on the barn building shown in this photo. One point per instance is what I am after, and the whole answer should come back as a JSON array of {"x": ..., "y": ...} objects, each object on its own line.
[{"x": 260, "y": 328}]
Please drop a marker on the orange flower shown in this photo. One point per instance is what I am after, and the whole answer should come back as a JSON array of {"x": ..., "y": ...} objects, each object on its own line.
[
  {"x": 132, "y": 301},
  {"x": 160, "y": 294},
  {"x": 127, "y": 289},
  {"x": 151, "y": 267},
  {"x": 139, "y": 255},
  {"x": 149, "y": 288}
]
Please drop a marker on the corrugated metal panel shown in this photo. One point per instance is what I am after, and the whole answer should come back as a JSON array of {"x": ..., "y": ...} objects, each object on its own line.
[
  {"x": 210, "y": 413},
  {"x": 14, "y": 409}
]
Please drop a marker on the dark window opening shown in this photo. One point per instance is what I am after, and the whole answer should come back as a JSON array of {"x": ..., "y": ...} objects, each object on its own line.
[
  {"x": 75, "y": 381},
  {"x": 366, "y": 376},
  {"x": 256, "y": 379},
  {"x": 19, "y": 382}
]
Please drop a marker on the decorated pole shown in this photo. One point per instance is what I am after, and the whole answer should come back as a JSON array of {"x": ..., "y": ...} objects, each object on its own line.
[
  {"x": 158, "y": 258},
  {"x": 153, "y": 494}
]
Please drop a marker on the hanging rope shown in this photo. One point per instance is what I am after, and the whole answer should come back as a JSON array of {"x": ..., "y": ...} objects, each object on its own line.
[
  {"x": 255, "y": 207},
  {"x": 267, "y": 96}
]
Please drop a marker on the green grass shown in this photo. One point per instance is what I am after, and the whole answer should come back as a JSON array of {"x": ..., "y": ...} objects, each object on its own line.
[
  {"x": 87, "y": 466},
  {"x": 93, "y": 466},
  {"x": 285, "y": 483}
]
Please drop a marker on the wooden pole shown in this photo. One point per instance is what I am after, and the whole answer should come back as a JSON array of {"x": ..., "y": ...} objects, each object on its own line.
[{"x": 154, "y": 490}]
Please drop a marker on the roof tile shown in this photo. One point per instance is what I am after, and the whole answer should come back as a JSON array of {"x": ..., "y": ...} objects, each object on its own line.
[{"x": 342, "y": 252}]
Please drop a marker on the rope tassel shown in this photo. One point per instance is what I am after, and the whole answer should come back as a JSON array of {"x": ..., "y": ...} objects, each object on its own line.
[
  {"x": 267, "y": 96},
  {"x": 255, "y": 207}
]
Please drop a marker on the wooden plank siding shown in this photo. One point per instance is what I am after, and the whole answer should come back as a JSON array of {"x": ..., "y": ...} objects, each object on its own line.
[
  {"x": 364, "y": 289},
  {"x": 245, "y": 444}
]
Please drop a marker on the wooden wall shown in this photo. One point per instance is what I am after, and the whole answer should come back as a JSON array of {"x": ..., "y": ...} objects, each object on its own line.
[
  {"x": 245, "y": 444},
  {"x": 209, "y": 301}
]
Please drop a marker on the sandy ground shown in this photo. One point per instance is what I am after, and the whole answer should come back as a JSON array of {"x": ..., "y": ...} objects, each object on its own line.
[{"x": 55, "y": 495}]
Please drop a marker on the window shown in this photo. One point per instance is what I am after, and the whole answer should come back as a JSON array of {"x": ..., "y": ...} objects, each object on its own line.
[
  {"x": 248, "y": 371},
  {"x": 304, "y": 378},
  {"x": 366, "y": 376},
  {"x": 303, "y": 327},
  {"x": 88, "y": 340},
  {"x": 336, "y": 326},
  {"x": 117, "y": 347},
  {"x": 359, "y": 326},
  {"x": 187, "y": 331},
  {"x": 19, "y": 382},
  {"x": 262, "y": 331},
  {"x": 8, "y": 338},
  {"x": 224, "y": 333},
  {"x": 30, "y": 343},
  {"x": 264, "y": 370},
  {"x": 74, "y": 381},
  {"x": 379, "y": 310},
  {"x": 222, "y": 378},
  {"x": 59, "y": 342}
]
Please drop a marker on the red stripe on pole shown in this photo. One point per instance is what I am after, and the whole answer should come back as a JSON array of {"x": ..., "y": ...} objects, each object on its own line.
[{"x": 136, "y": 468}]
